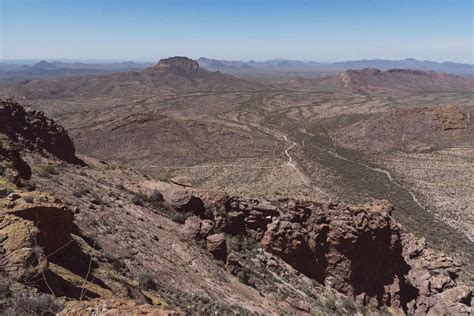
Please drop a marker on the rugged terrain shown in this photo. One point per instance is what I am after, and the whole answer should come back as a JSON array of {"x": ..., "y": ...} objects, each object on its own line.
[
  {"x": 118, "y": 241},
  {"x": 355, "y": 137},
  {"x": 284, "y": 68}
]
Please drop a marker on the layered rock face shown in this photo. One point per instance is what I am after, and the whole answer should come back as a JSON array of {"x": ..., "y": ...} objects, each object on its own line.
[
  {"x": 359, "y": 251},
  {"x": 177, "y": 62},
  {"x": 35, "y": 227}
]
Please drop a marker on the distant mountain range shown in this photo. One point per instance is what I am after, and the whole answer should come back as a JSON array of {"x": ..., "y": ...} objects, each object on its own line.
[
  {"x": 286, "y": 67},
  {"x": 169, "y": 75},
  {"x": 22, "y": 70},
  {"x": 11, "y": 70}
]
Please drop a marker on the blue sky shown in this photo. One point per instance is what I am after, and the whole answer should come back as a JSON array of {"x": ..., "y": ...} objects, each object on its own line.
[{"x": 322, "y": 30}]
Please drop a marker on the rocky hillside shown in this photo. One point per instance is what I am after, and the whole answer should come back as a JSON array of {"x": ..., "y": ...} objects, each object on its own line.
[
  {"x": 120, "y": 242},
  {"x": 371, "y": 80},
  {"x": 413, "y": 129}
]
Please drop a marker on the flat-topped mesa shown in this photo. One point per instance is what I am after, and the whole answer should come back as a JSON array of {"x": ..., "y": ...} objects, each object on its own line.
[{"x": 179, "y": 62}]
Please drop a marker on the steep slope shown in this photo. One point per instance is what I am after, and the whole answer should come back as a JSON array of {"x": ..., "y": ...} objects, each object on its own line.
[{"x": 203, "y": 252}]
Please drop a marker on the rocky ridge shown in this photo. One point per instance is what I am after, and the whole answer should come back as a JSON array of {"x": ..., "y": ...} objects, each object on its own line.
[
  {"x": 359, "y": 251},
  {"x": 34, "y": 130}
]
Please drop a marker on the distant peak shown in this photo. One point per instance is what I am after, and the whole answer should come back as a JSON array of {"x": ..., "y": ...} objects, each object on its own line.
[
  {"x": 180, "y": 62},
  {"x": 44, "y": 64}
]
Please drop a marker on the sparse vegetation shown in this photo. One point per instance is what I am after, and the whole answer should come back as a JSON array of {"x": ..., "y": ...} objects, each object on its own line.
[
  {"x": 28, "y": 199},
  {"x": 29, "y": 304},
  {"x": 155, "y": 199},
  {"x": 120, "y": 186},
  {"x": 179, "y": 217},
  {"x": 47, "y": 171},
  {"x": 147, "y": 281},
  {"x": 96, "y": 199},
  {"x": 241, "y": 242},
  {"x": 80, "y": 192}
]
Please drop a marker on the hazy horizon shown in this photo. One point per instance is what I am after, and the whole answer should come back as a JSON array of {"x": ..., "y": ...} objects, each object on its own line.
[
  {"x": 145, "y": 61},
  {"x": 322, "y": 30}
]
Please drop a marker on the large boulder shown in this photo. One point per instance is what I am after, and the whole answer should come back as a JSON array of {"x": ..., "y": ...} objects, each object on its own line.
[{"x": 216, "y": 244}]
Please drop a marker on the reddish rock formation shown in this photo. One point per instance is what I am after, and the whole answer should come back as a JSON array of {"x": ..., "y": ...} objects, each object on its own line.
[
  {"x": 359, "y": 251},
  {"x": 217, "y": 245}
]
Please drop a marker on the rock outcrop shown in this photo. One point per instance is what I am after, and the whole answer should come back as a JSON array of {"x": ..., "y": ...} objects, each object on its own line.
[
  {"x": 35, "y": 130},
  {"x": 36, "y": 232},
  {"x": 359, "y": 251},
  {"x": 184, "y": 63}
]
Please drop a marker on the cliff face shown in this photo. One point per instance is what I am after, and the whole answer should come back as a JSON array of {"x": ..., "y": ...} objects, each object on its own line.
[{"x": 359, "y": 251}]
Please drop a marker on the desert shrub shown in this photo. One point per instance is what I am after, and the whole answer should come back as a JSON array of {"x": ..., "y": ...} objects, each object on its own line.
[
  {"x": 331, "y": 304},
  {"x": 155, "y": 198},
  {"x": 96, "y": 199},
  {"x": 80, "y": 192},
  {"x": 137, "y": 200},
  {"x": 4, "y": 289},
  {"x": 180, "y": 218},
  {"x": 41, "y": 198},
  {"x": 349, "y": 305},
  {"x": 245, "y": 276},
  {"x": 120, "y": 187},
  {"x": 47, "y": 171},
  {"x": 36, "y": 305},
  {"x": 241, "y": 243},
  {"x": 117, "y": 263},
  {"x": 28, "y": 199},
  {"x": 147, "y": 281}
]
